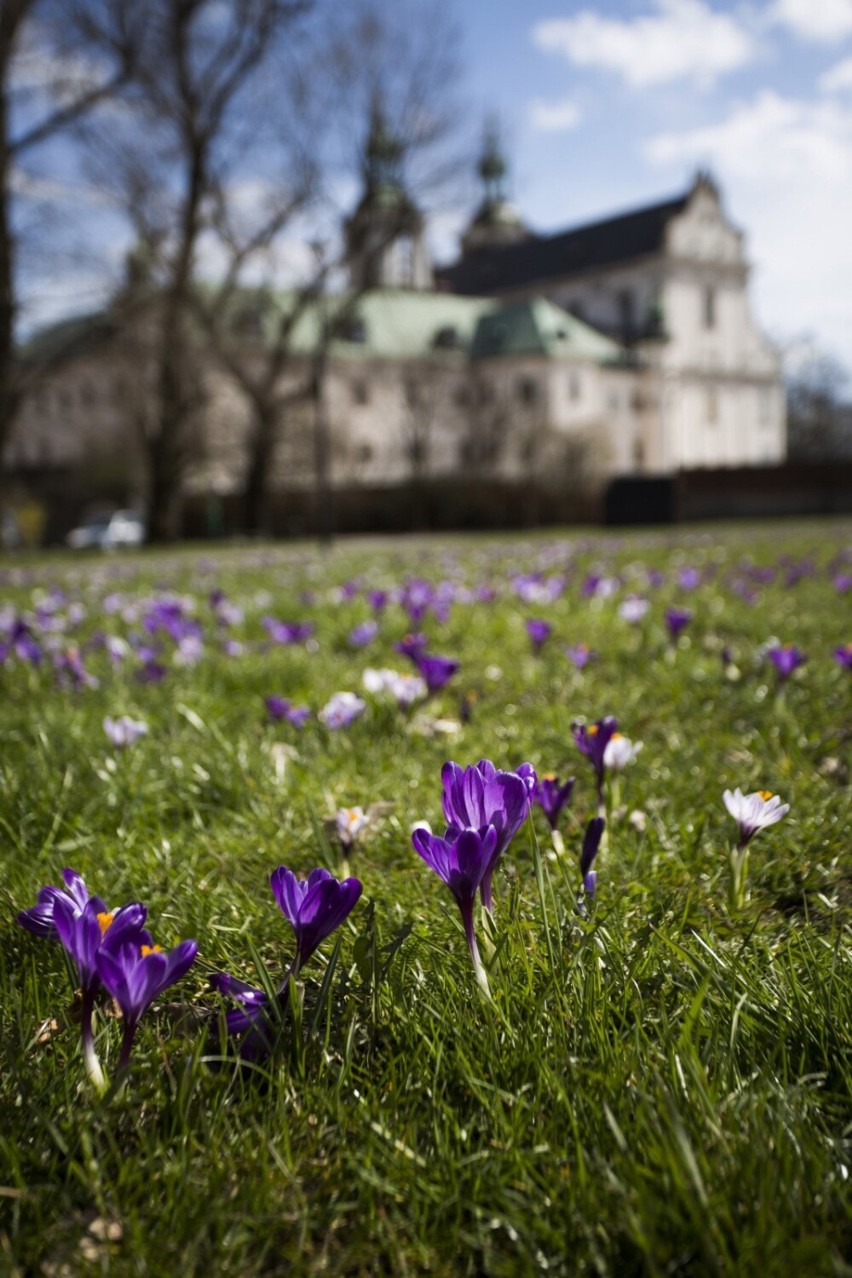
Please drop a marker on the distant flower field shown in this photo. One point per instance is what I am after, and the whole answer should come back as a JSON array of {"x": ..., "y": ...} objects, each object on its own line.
[{"x": 459, "y": 906}]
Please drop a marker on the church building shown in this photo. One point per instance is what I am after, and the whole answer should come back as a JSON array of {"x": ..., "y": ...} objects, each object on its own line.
[{"x": 620, "y": 347}]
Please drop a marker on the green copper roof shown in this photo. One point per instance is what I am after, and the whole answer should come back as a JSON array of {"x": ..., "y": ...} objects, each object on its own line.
[
  {"x": 395, "y": 324},
  {"x": 386, "y": 324},
  {"x": 538, "y": 327}
]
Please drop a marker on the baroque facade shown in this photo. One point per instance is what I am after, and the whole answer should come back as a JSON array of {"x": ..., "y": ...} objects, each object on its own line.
[{"x": 620, "y": 347}]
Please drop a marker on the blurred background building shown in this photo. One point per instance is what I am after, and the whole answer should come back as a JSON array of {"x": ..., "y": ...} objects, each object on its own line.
[{"x": 626, "y": 346}]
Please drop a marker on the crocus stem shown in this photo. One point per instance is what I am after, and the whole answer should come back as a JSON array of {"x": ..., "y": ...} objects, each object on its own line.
[
  {"x": 485, "y": 890},
  {"x": 489, "y": 933},
  {"x": 739, "y": 867},
  {"x": 481, "y": 974},
  {"x": 292, "y": 973},
  {"x": 558, "y": 843},
  {"x": 90, "y": 1058},
  {"x": 126, "y": 1045}
]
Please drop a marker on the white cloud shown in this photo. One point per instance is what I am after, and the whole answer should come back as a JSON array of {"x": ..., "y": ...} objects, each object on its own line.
[
  {"x": 786, "y": 170},
  {"x": 837, "y": 78},
  {"x": 554, "y": 117},
  {"x": 770, "y": 139},
  {"x": 817, "y": 20},
  {"x": 682, "y": 39}
]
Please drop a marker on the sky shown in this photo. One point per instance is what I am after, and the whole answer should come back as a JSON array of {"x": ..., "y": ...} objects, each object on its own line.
[
  {"x": 606, "y": 105},
  {"x": 610, "y": 104}
]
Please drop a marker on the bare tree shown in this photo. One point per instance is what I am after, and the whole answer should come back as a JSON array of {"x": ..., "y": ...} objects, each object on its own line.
[
  {"x": 202, "y": 72},
  {"x": 58, "y": 61},
  {"x": 819, "y": 418},
  {"x": 372, "y": 100},
  {"x": 423, "y": 397},
  {"x": 489, "y": 424}
]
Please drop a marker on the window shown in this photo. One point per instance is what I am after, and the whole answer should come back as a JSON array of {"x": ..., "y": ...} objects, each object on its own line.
[
  {"x": 364, "y": 453},
  {"x": 405, "y": 259},
  {"x": 526, "y": 391},
  {"x": 360, "y": 392},
  {"x": 575, "y": 388},
  {"x": 461, "y": 396},
  {"x": 626, "y": 314},
  {"x": 709, "y": 306},
  {"x": 351, "y": 328},
  {"x": 447, "y": 339}
]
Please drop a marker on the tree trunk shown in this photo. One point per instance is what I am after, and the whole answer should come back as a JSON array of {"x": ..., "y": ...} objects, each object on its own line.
[
  {"x": 9, "y": 388},
  {"x": 261, "y": 454}
]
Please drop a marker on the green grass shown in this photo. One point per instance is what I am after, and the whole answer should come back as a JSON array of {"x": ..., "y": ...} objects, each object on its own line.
[{"x": 659, "y": 1088}]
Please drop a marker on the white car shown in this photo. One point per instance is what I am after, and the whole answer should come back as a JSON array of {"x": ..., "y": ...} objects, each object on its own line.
[{"x": 108, "y": 532}]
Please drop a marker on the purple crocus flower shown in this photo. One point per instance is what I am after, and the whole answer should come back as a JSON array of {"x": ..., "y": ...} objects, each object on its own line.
[
  {"x": 412, "y": 646},
  {"x": 415, "y": 598},
  {"x": 591, "y": 844},
  {"x": 38, "y": 919},
  {"x": 288, "y": 632},
  {"x": 579, "y": 654},
  {"x": 151, "y": 672},
  {"x": 461, "y": 858},
  {"x": 539, "y": 631},
  {"x": 377, "y": 599},
  {"x": 786, "y": 658},
  {"x": 843, "y": 654},
  {"x": 133, "y": 972},
  {"x": 677, "y": 619},
  {"x": 252, "y": 1002},
  {"x": 85, "y": 934},
  {"x": 314, "y": 907},
  {"x": 362, "y": 635},
  {"x": 478, "y": 796},
  {"x": 279, "y": 708},
  {"x": 436, "y": 671},
  {"x": 70, "y": 671},
  {"x": 552, "y": 797},
  {"x": 689, "y": 578},
  {"x": 22, "y": 644},
  {"x": 592, "y": 740}
]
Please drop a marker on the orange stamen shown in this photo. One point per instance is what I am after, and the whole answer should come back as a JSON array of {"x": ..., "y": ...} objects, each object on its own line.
[
  {"x": 766, "y": 795},
  {"x": 145, "y": 950},
  {"x": 105, "y": 919}
]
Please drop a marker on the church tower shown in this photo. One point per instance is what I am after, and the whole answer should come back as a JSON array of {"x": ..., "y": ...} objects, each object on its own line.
[
  {"x": 496, "y": 221},
  {"x": 385, "y": 245}
]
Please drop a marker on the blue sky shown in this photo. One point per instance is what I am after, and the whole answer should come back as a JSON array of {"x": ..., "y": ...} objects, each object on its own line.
[
  {"x": 612, "y": 103},
  {"x": 609, "y": 104}
]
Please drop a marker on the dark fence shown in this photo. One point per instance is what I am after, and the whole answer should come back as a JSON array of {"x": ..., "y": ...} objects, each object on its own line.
[
  {"x": 750, "y": 492},
  {"x": 467, "y": 505},
  {"x": 439, "y": 507}
]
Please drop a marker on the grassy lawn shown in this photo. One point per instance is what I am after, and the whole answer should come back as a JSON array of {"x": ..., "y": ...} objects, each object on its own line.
[{"x": 660, "y": 1080}]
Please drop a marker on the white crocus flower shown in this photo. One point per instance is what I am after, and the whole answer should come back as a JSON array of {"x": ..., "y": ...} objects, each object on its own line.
[
  {"x": 754, "y": 811},
  {"x": 620, "y": 751}
]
